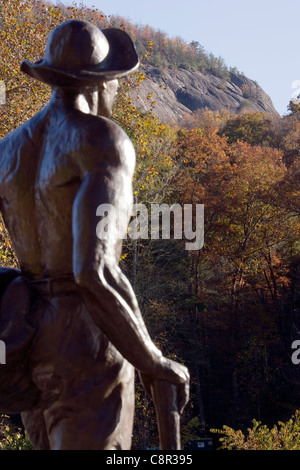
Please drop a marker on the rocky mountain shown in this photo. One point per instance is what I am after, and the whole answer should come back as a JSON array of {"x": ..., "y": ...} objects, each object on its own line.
[{"x": 180, "y": 92}]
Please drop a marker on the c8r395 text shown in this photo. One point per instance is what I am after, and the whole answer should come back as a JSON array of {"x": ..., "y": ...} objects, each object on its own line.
[{"x": 173, "y": 459}]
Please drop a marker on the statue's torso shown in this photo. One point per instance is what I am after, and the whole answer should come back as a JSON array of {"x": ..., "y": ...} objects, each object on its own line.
[{"x": 39, "y": 178}]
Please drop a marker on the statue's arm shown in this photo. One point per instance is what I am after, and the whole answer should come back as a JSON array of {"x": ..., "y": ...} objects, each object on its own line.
[{"x": 106, "y": 291}]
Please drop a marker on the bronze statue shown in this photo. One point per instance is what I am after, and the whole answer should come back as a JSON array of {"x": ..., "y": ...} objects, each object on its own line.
[{"x": 56, "y": 169}]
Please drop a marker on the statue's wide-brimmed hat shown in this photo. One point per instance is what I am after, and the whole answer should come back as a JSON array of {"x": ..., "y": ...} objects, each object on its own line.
[{"x": 79, "y": 54}]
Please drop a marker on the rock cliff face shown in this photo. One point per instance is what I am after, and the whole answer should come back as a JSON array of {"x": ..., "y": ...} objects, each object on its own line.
[{"x": 182, "y": 92}]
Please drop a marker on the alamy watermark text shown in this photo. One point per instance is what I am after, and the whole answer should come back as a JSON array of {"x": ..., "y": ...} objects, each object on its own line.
[
  {"x": 160, "y": 221},
  {"x": 2, "y": 92},
  {"x": 2, "y": 352}
]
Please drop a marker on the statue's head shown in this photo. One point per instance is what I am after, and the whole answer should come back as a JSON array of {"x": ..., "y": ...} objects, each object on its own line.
[{"x": 80, "y": 55}]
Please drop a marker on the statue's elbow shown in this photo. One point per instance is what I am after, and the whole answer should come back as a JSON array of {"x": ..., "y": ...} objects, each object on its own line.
[
  {"x": 86, "y": 279},
  {"x": 95, "y": 278}
]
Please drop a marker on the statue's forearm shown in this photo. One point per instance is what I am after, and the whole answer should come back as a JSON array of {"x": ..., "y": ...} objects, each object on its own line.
[{"x": 113, "y": 306}]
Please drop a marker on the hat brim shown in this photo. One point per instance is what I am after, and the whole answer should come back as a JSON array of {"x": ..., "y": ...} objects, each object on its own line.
[{"x": 121, "y": 61}]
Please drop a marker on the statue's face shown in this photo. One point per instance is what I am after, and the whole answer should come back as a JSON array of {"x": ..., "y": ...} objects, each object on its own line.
[{"x": 106, "y": 94}]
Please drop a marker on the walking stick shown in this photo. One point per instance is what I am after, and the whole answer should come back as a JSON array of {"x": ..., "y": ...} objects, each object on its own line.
[{"x": 168, "y": 416}]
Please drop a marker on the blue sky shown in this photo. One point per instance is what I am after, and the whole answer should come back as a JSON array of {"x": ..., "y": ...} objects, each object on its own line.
[{"x": 259, "y": 37}]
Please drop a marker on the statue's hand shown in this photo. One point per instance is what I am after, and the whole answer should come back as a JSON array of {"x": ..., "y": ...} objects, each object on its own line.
[{"x": 174, "y": 373}]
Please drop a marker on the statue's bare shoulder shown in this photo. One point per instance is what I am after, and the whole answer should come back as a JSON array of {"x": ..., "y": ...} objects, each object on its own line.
[{"x": 103, "y": 145}]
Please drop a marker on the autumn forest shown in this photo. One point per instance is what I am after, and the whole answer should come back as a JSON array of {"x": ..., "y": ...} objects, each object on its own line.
[{"x": 231, "y": 310}]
